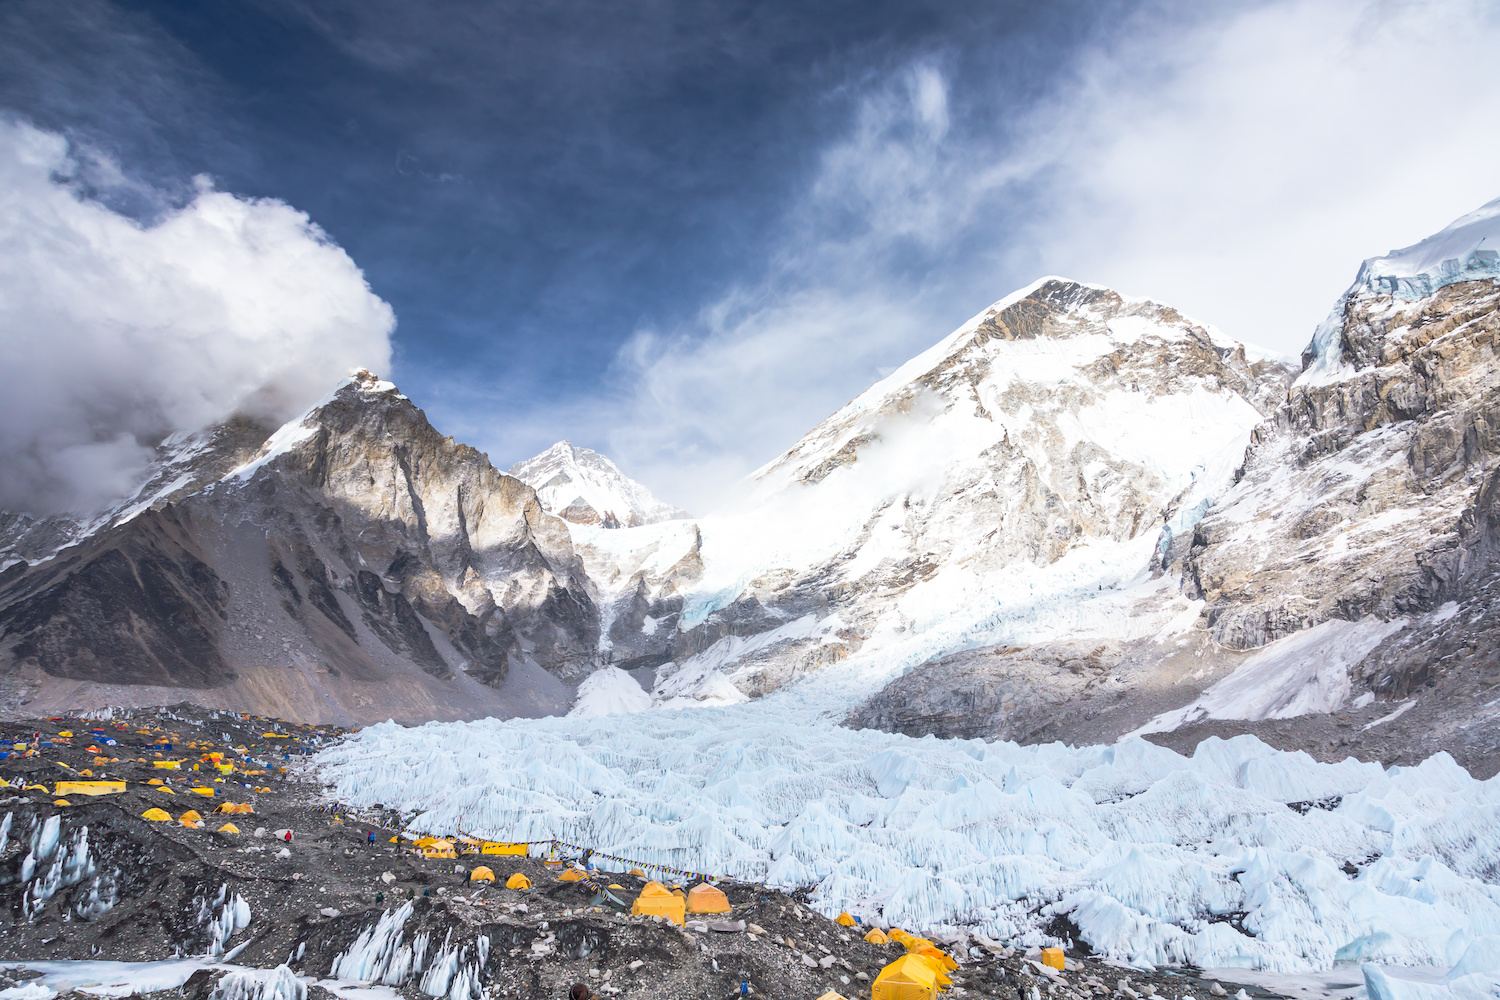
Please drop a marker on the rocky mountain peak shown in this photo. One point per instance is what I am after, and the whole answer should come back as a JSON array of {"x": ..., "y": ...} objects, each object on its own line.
[{"x": 584, "y": 487}]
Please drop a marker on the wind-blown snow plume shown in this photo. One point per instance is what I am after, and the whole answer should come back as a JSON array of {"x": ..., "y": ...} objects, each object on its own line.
[{"x": 117, "y": 333}]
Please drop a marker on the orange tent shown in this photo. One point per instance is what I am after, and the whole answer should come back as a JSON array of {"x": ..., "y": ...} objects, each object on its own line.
[{"x": 705, "y": 898}]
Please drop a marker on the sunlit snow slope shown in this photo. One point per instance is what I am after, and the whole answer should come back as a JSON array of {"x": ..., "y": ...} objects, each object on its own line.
[{"x": 1005, "y": 486}]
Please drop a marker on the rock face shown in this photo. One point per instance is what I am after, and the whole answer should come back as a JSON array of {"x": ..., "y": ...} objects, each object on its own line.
[
  {"x": 355, "y": 565},
  {"x": 584, "y": 487}
]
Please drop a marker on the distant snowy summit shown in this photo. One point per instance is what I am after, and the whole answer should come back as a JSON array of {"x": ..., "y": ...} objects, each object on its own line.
[{"x": 584, "y": 487}]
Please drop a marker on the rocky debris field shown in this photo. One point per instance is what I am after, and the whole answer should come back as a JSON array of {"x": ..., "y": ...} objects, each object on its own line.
[{"x": 93, "y": 879}]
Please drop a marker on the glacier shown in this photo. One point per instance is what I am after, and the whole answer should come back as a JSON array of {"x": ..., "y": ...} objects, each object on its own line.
[{"x": 1238, "y": 856}]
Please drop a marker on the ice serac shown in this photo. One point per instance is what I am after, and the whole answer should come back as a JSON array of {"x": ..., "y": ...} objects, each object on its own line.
[
  {"x": 353, "y": 565},
  {"x": 1012, "y": 486},
  {"x": 584, "y": 487}
]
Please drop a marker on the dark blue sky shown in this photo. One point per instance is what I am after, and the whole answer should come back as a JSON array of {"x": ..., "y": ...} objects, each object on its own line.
[
  {"x": 590, "y": 217},
  {"x": 527, "y": 184}
]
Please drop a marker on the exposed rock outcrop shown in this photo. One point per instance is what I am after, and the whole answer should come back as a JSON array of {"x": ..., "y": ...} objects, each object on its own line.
[{"x": 357, "y": 566}]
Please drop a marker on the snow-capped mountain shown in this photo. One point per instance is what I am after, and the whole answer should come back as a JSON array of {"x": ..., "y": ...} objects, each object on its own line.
[
  {"x": 352, "y": 565},
  {"x": 1002, "y": 487},
  {"x": 584, "y": 487},
  {"x": 1079, "y": 515}
]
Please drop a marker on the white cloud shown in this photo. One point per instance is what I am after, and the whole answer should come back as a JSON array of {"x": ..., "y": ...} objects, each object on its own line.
[
  {"x": 115, "y": 333},
  {"x": 1235, "y": 162},
  {"x": 1242, "y": 169}
]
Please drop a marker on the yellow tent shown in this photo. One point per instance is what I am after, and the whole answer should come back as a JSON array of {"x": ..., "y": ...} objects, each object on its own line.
[
  {"x": 704, "y": 898},
  {"x": 518, "y": 881},
  {"x": 656, "y": 901},
  {"x": 1053, "y": 957},
  {"x": 229, "y": 828},
  {"x": 844, "y": 920},
  {"x": 939, "y": 961},
  {"x": 481, "y": 874},
  {"x": 200, "y": 790},
  {"x": 907, "y": 978},
  {"x": 61, "y": 802},
  {"x": 897, "y": 935},
  {"x": 235, "y": 807},
  {"x": 571, "y": 875},
  {"x": 831, "y": 995},
  {"x": 156, "y": 815},
  {"x": 439, "y": 849},
  {"x": 877, "y": 936},
  {"x": 637, "y": 873},
  {"x": 88, "y": 787},
  {"x": 190, "y": 818},
  {"x": 166, "y": 765},
  {"x": 426, "y": 841},
  {"x": 65, "y": 734}
]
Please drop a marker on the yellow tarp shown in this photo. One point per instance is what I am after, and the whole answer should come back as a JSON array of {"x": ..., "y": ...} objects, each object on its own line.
[
  {"x": 907, "y": 978},
  {"x": 481, "y": 874},
  {"x": 167, "y": 765},
  {"x": 518, "y": 881},
  {"x": 157, "y": 815},
  {"x": 704, "y": 898},
  {"x": 494, "y": 847},
  {"x": 88, "y": 787}
]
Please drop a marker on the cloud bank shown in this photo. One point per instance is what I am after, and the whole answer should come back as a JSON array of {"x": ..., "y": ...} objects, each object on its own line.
[
  {"x": 1236, "y": 162},
  {"x": 117, "y": 333}
]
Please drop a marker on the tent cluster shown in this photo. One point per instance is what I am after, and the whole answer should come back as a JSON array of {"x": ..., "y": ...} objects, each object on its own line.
[
  {"x": 917, "y": 975},
  {"x": 192, "y": 818}
]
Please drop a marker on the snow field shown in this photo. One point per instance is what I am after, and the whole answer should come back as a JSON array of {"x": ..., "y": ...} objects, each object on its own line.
[{"x": 1158, "y": 858}]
